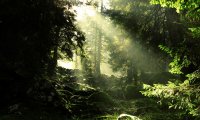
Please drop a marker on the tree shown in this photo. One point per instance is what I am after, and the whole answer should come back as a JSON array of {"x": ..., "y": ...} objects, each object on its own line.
[
  {"x": 184, "y": 94},
  {"x": 92, "y": 26},
  {"x": 145, "y": 25},
  {"x": 32, "y": 32}
]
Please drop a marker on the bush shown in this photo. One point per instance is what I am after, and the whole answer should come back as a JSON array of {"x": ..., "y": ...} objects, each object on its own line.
[{"x": 132, "y": 92}]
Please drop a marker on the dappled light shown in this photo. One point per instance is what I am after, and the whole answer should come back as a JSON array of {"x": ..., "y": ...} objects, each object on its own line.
[{"x": 66, "y": 64}]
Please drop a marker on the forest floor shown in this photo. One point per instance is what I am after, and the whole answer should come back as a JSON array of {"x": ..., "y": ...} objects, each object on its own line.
[
  {"x": 103, "y": 109},
  {"x": 143, "y": 108},
  {"x": 107, "y": 102}
]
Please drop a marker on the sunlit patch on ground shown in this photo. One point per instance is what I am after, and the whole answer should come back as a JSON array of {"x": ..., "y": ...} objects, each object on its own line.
[{"x": 66, "y": 64}]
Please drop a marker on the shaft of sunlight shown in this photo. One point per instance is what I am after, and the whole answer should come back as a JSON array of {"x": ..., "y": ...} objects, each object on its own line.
[
  {"x": 89, "y": 19},
  {"x": 84, "y": 11}
]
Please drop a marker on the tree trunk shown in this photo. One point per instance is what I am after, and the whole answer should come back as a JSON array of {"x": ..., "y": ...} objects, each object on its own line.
[
  {"x": 53, "y": 63},
  {"x": 132, "y": 74},
  {"x": 51, "y": 68},
  {"x": 98, "y": 60}
]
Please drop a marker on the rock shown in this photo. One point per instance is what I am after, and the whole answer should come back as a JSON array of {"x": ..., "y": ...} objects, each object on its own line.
[{"x": 127, "y": 117}]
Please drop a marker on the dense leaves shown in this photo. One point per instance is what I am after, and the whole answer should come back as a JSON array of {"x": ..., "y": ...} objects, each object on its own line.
[
  {"x": 171, "y": 26},
  {"x": 32, "y": 33},
  {"x": 144, "y": 41},
  {"x": 146, "y": 26},
  {"x": 182, "y": 95}
]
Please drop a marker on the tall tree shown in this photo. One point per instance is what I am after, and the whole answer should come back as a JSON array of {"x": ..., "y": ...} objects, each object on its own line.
[
  {"x": 37, "y": 29},
  {"x": 145, "y": 27},
  {"x": 185, "y": 94},
  {"x": 94, "y": 35},
  {"x": 32, "y": 32}
]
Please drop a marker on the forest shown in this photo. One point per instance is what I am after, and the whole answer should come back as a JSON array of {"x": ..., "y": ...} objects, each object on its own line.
[{"x": 99, "y": 60}]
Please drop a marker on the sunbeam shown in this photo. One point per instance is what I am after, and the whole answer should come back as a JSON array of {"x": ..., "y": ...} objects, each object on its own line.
[
  {"x": 91, "y": 20},
  {"x": 83, "y": 11},
  {"x": 100, "y": 59}
]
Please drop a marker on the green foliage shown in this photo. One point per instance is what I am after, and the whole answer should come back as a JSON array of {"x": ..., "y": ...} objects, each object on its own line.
[
  {"x": 179, "y": 61},
  {"x": 189, "y": 10},
  {"x": 182, "y": 95},
  {"x": 195, "y": 32},
  {"x": 167, "y": 50},
  {"x": 32, "y": 34},
  {"x": 178, "y": 96},
  {"x": 144, "y": 28},
  {"x": 38, "y": 29},
  {"x": 178, "y": 4},
  {"x": 108, "y": 117}
]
